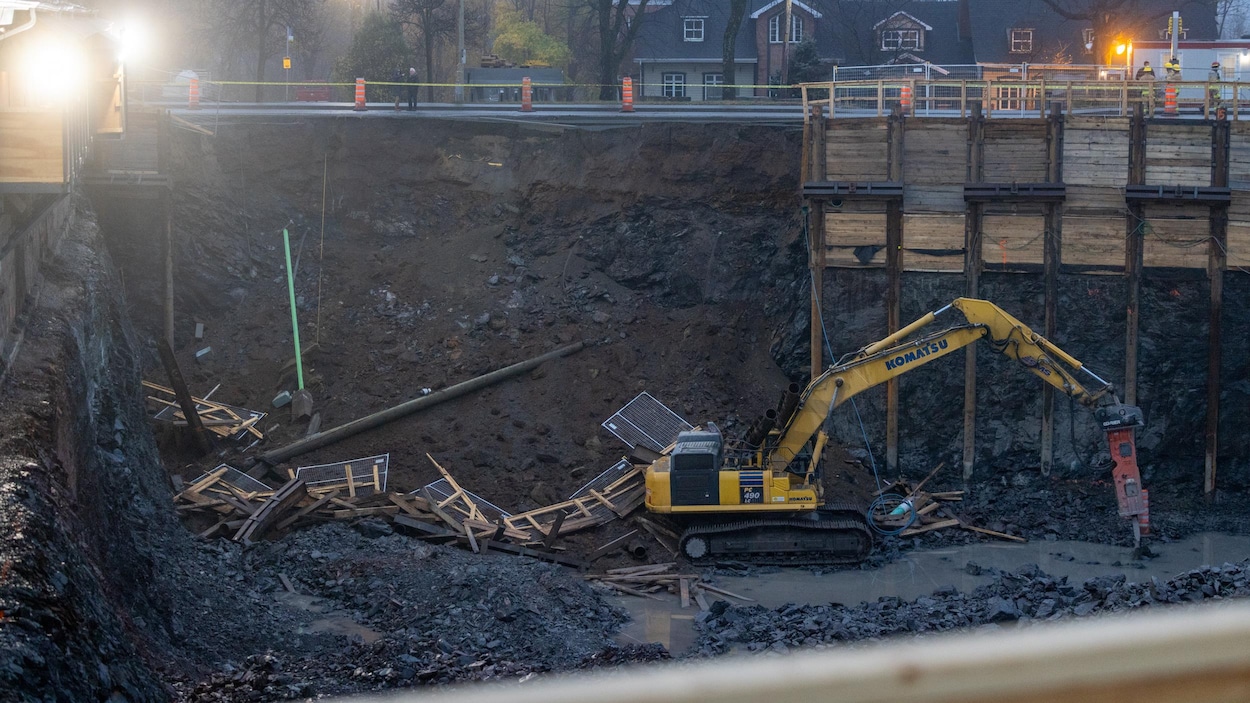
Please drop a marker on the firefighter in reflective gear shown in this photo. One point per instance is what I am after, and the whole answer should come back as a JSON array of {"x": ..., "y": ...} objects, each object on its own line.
[
  {"x": 1213, "y": 78},
  {"x": 1173, "y": 68},
  {"x": 1147, "y": 73}
]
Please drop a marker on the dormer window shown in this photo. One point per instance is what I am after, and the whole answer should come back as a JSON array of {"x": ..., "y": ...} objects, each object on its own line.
[
  {"x": 1087, "y": 40},
  {"x": 693, "y": 28},
  {"x": 900, "y": 39},
  {"x": 901, "y": 32},
  {"x": 774, "y": 29},
  {"x": 1021, "y": 41}
]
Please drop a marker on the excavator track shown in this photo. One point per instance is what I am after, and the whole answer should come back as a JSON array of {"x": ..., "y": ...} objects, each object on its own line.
[{"x": 837, "y": 536}]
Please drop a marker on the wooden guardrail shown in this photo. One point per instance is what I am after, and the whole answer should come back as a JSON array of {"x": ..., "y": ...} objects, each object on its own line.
[{"x": 1007, "y": 98}]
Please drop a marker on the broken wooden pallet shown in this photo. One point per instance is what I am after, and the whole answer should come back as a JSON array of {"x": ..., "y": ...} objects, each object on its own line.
[{"x": 219, "y": 418}]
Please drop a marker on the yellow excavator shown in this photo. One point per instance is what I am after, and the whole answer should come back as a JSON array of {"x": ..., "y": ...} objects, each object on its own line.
[{"x": 760, "y": 498}]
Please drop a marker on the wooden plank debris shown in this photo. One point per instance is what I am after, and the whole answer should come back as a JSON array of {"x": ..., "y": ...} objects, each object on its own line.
[
  {"x": 226, "y": 498},
  {"x": 269, "y": 514},
  {"x": 643, "y": 581},
  {"x": 928, "y": 511},
  {"x": 227, "y": 421}
]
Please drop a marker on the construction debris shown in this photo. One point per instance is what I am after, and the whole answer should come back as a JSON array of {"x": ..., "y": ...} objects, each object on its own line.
[
  {"x": 226, "y": 421},
  {"x": 355, "y": 476},
  {"x": 646, "y": 581},
  {"x": 919, "y": 511},
  {"x": 442, "y": 512}
]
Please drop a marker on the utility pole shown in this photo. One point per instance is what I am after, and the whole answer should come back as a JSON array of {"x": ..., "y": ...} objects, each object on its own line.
[
  {"x": 1174, "y": 28},
  {"x": 785, "y": 43},
  {"x": 286, "y": 66},
  {"x": 461, "y": 60}
]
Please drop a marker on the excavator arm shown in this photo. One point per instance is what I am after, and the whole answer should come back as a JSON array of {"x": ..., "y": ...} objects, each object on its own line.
[{"x": 898, "y": 353}]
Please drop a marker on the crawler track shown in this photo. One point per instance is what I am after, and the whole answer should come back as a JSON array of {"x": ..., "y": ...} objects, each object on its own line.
[{"x": 839, "y": 536}]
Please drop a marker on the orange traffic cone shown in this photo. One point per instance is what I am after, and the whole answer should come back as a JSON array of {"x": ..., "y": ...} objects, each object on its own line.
[
  {"x": 360, "y": 95},
  {"x": 904, "y": 99},
  {"x": 627, "y": 95},
  {"x": 193, "y": 95},
  {"x": 1169, "y": 100},
  {"x": 527, "y": 95}
]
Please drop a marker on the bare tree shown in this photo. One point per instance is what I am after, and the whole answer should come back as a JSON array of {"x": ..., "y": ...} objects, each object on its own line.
[
  {"x": 737, "y": 11},
  {"x": 617, "y": 32},
  {"x": 1231, "y": 18},
  {"x": 437, "y": 22},
  {"x": 262, "y": 24}
]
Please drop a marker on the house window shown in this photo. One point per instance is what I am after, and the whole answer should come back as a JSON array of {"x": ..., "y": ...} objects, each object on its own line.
[
  {"x": 900, "y": 39},
  {"x": 674, "y": 85},
  {"x": 774, "y": 29},
  {"x": 1021, "y": 41},
  {"x": 693, "y": 29},
  {"x": 712, "y": 83},
  {"x": 1087, "y": 40}
]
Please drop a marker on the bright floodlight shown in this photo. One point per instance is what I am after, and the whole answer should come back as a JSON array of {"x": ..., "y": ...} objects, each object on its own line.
[
  {"x": 1121, "y": 48},
  {"x": 134, "y": 41},
  {"x": 54, "y": 70}
]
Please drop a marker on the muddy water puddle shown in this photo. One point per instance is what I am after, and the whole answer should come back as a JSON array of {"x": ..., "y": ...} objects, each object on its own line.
[
  {"x": 918, "y": 573},
  {"x": 329, "y": 620}
]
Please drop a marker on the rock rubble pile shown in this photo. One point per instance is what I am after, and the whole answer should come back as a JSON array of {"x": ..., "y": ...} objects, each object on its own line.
[{"x": 1025, "y": 595}]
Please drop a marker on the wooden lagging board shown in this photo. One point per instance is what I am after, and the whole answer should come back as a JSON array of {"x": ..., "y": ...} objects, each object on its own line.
[
  {"x": 847, "y": 231},
  {"x": 1178, "y": 154},
  {"x": 1176, "y": 237},
  {"x": 1094, "y": 242},
  {"x": 1095, "y": 151},
  {"x": 856, "y": 150},
  {"x": 1009, "y": 240},
  {"x": 934, "y": 242},
  {"x": 1014, "y": 151}
]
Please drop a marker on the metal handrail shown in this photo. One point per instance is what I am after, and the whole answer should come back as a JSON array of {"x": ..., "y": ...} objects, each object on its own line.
[{"x": 1013, "y": 97}]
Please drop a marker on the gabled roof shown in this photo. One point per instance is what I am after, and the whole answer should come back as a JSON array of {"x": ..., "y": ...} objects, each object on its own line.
[
  {"x": 795, "y": 3},
  {"x": 661, "y": 35},
  {"x": 904, "y": 14},
  {"x": 855, "y": 28}
]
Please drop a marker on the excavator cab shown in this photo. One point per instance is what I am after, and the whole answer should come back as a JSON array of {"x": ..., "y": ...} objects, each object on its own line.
[{"x": 694, "y": 469}]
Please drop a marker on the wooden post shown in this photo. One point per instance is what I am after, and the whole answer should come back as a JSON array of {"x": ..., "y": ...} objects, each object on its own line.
[
  {"x": 1053, "y": 243},
  {"x": 1133, "y": 254},
  {"x": 816, "y": 232},
  {"x": 1215, "y": 273},
  {"x": 972, "y": 280},
  {"x": 894, "y": 285},
  {"x": 184, "y": 396},
  {"x": 169, "y": 267}
]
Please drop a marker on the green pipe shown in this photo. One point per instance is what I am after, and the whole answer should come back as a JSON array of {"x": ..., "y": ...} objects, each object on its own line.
[{"x": 290, "y": 286}]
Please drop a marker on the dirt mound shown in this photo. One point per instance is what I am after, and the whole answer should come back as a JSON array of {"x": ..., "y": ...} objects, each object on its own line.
[{"x": 374, "y": 610}]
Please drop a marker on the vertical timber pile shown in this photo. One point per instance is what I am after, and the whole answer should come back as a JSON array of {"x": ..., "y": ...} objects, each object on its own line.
[
  {"x": 1215, "y": 272},
  {"x": 1133, "y": 252},
  {"x": 894, "y": 285},
  {"x": 814, "y": 170},
  {"x": 1051, "y": 258},
  {"x": 167, "y": 200},
  {"x": 972, "y": 280}
]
